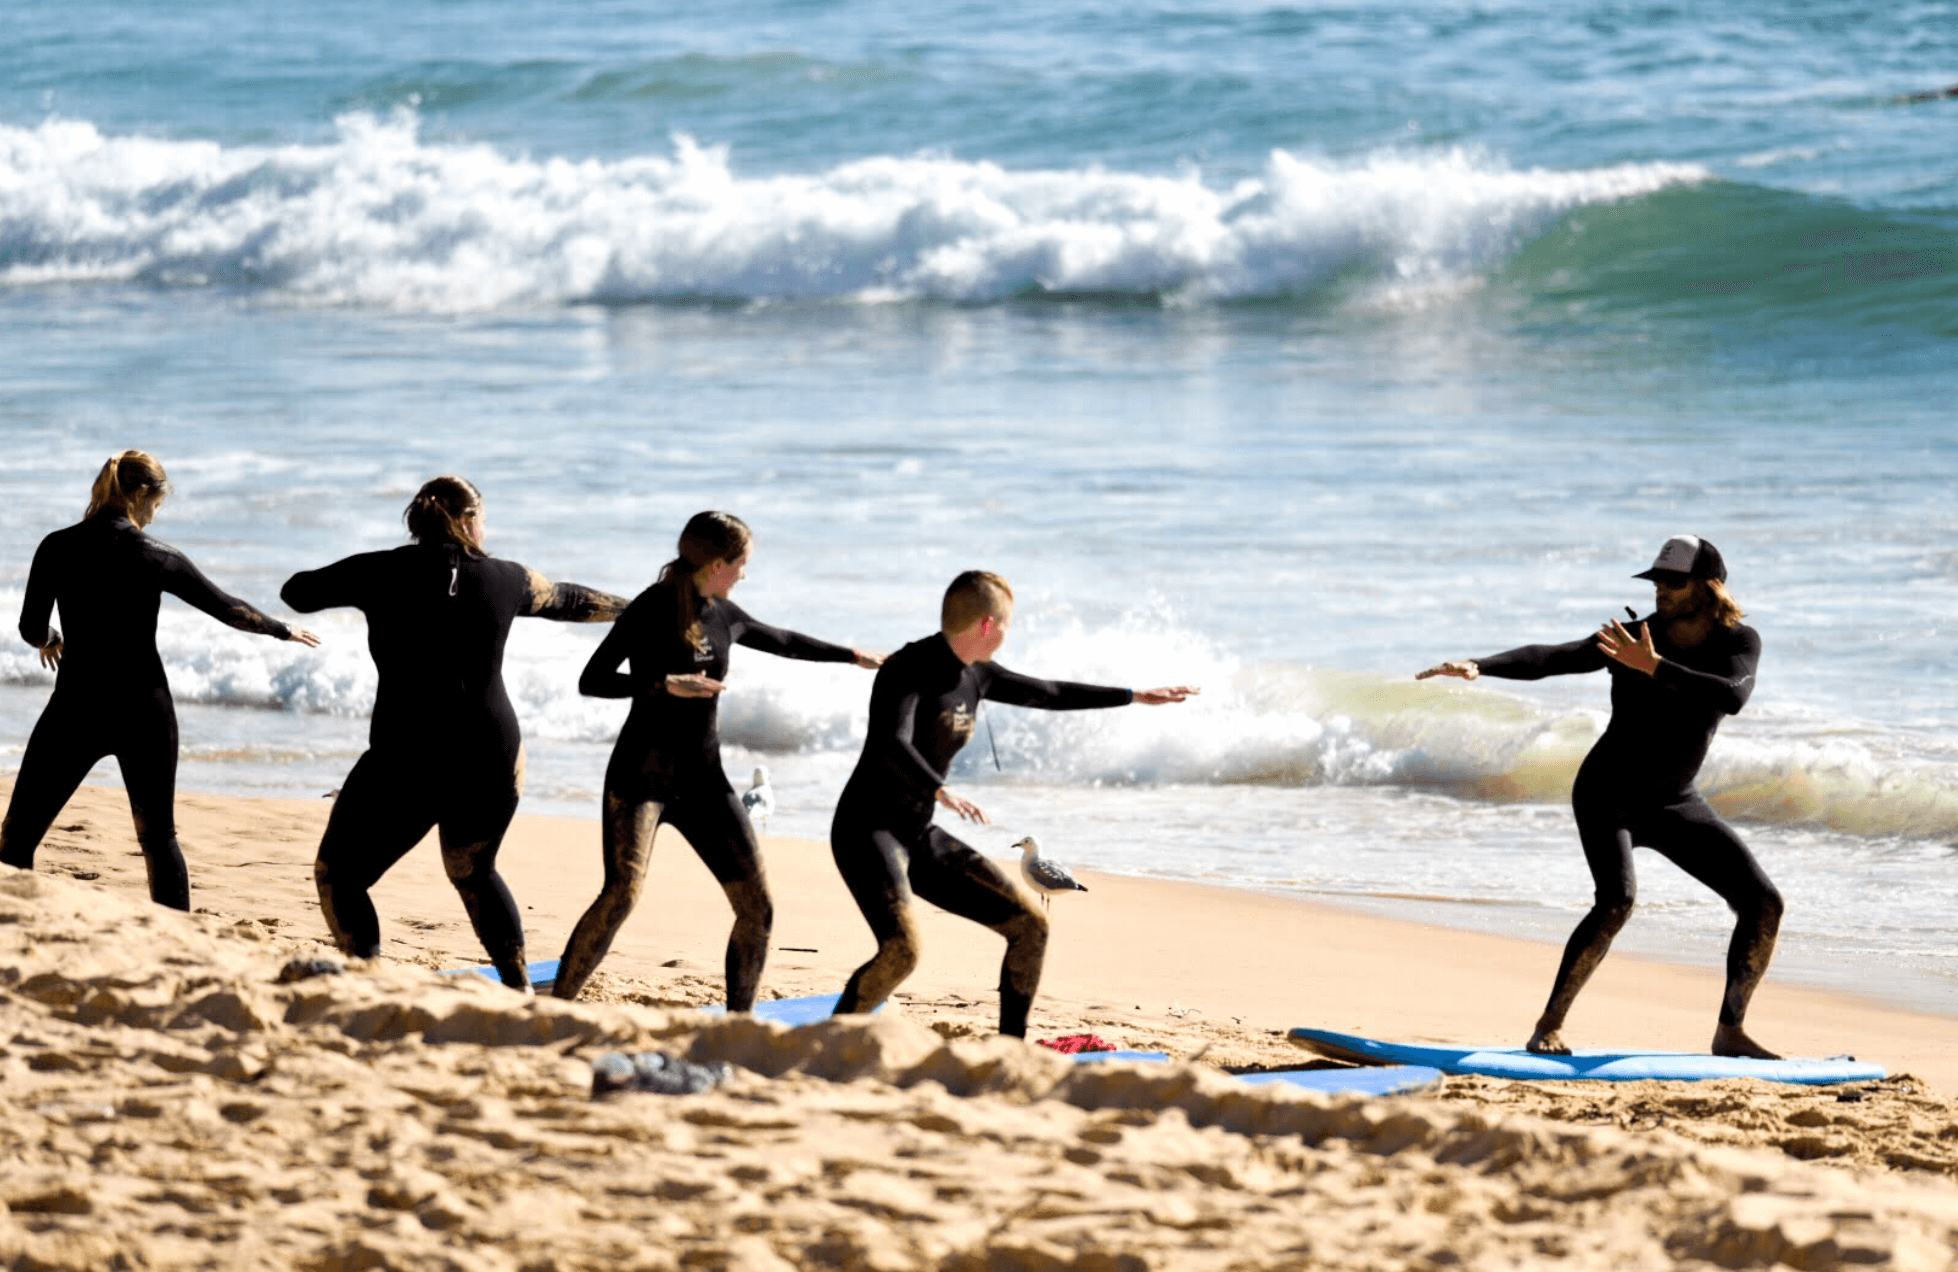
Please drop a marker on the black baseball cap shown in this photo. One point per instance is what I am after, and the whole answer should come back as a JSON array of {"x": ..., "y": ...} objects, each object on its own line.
[{"x": 1689, "y": 556}]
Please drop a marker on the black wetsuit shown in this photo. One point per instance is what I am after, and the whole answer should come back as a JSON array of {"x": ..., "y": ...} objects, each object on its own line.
[
  {"x": 110, "y": 695},
  {"x": 923, "y": 709},
  {"x": 666, "y": 767},
  {"x": 1636, "y": 787},
  {"x": 444, "y": 749}
]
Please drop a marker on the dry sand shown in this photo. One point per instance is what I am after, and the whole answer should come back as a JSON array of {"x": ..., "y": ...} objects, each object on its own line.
[{"x": 171, "y": 1104}]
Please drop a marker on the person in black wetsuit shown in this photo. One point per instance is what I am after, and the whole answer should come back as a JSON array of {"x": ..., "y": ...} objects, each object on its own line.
[
  {"x": 110, "y": 694},
  {"x": 444, "y": 750},
  {"x": 666, "y": 765},
  {"x": 1691, "y": 663},
  {"x": 922, "y": 711}
]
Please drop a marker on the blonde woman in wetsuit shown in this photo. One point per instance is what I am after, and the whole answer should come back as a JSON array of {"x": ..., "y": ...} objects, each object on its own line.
[
  {"x": 444, "y": 749},
  {"x": 110, "y": 694},
  {"x": 666, "y": 767}
]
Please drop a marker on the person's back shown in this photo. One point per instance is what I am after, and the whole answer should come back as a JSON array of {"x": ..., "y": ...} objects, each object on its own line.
[
  {"x": 107, "y": 578},
  {"x": 438, "y": 620}
]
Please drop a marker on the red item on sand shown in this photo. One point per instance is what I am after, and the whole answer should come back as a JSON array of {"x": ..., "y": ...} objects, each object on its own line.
[{"x": 1072, "y": 1044}]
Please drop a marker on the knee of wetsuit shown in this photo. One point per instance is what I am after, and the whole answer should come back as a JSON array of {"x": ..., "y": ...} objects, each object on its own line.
[
  {"x": 752, "y": 905},
  {"x": 1029, "y": 927},
  {"x": 1614, "y": 911},
  {"x": 1768, "y": 907},
  {"x": 900, "y": 954}
]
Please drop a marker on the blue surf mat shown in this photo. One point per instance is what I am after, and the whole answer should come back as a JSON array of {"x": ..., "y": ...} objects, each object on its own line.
[
  {"x": 1393, "y": 1079},
  {"x": 1585, "y": 1063},
  {"x": 791, "y": 1011},
  {"x": 542, "y": 974}
]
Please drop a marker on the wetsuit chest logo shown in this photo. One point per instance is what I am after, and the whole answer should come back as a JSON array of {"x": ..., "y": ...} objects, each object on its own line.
[{"x": 958, "y": 722}]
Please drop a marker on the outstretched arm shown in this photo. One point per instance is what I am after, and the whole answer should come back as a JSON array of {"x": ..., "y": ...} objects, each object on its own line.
[
  {"x": 784, "y": 643},
  {"x": 571, "y": 602},
  {"x": 1527, "y": 662},
  {"x": 186, "y": 582},
  {"x": 1017, "y": 690}
]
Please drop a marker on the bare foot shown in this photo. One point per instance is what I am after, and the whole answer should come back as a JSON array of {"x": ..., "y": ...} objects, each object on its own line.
[
  {"x": 1547, "y": 1042},
  {"x": 1732, "y": 1040}
]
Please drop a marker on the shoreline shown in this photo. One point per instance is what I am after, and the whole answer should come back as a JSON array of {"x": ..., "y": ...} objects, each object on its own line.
[{"x": 1172, "y": 965}]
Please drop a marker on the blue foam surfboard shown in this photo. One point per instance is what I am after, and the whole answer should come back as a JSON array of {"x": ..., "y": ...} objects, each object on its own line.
[
  {"x": 1585, "y": 1063},
  {"x": 1387, "y": 1080}
]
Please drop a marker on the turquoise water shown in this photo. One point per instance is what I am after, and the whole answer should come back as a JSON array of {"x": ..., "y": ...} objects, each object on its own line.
[{"x": 1287, "y": 349}]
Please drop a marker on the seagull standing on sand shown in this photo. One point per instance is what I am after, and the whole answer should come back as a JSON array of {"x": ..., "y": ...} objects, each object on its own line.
[
  {"x": 1044, "y": 876},
  {"x": 759, "y": 800}
]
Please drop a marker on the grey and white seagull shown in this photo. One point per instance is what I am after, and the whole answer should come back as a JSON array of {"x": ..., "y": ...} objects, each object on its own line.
[
  {"x": 759, "y": 800},
  {"x": 1044, "y": 876}
]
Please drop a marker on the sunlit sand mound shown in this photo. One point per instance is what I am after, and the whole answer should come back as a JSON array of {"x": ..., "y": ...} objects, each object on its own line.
[{"x": 173, "y": 1104}]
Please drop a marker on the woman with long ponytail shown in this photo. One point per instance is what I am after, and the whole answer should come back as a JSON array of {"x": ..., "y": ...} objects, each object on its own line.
[
  {"x": 444, "y": 749},
  {"x": 666, "y": 766},
  {"x": 111, "y": 696}
]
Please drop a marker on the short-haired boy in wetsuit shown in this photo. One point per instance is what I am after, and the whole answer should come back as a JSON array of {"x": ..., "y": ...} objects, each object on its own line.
[{"x": 922, "y": 710}]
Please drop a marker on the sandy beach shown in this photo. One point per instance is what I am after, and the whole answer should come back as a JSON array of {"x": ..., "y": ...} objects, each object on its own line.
[{"x": 175, "y": 1105}]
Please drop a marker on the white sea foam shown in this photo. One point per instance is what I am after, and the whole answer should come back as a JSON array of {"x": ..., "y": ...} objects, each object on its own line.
[{"x": 380, "y": 217}]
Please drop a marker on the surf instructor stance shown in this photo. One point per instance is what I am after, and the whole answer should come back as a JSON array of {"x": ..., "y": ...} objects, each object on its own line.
[{"x": 1673, "y": 676}]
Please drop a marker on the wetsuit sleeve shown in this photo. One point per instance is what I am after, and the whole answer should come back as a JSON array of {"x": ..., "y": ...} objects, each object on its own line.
[
  {"x": 782, "y": 642},
  {"x": 570, "y": 602},
  {"x": 891, "y": 735},
  {"x": 1726, "y": 689},
  {"x": 1534, "y": 662},
  {"x": 37, "y": 607},
  {"x": 601, "y": 677},
  {"x": 187, "y": 583},
  {"x": 1017, "y": 690},
  {"x": 344, "y": 583}
]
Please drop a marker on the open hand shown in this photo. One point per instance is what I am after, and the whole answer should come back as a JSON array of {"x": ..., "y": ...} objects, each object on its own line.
[
  {"x": 697, "y": 684},
  {"x": 870, "y": 662},
  {"x": 304, "y": 637},
  {"x": 1619, "y": 645},
  {"x": 1466, "y": 669},
  {"x": 963, "y": 807},
  {"x": 51, "y": 652},
  {"x": 1169, "y": 693}
]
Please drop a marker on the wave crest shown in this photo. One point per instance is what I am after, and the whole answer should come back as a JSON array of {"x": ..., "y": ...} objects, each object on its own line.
[{"x": 379, "y": 217}]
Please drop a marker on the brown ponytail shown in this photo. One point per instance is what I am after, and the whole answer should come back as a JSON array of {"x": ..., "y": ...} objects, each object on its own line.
[
  {"x": 708, "y": 537},
  {"x": 436, "y": 513},
  {"x": 133, "y": 483}
]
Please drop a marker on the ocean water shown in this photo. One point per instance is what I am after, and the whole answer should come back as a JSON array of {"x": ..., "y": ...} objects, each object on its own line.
[{"x": 1280, "y": 348}]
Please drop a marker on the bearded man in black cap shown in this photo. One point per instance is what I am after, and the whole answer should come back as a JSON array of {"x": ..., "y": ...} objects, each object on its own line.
[{"x": 1672, "y": 679}]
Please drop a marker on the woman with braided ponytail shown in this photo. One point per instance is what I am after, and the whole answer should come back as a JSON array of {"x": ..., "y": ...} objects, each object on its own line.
[
  {"x": 444, "y": 750},
  {"x": 666, "y": 766},
  {"x": 110, "y": 694}
]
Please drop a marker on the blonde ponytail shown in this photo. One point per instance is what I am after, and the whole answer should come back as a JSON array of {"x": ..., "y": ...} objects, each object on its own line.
[{"x": 132, "y": 482}]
